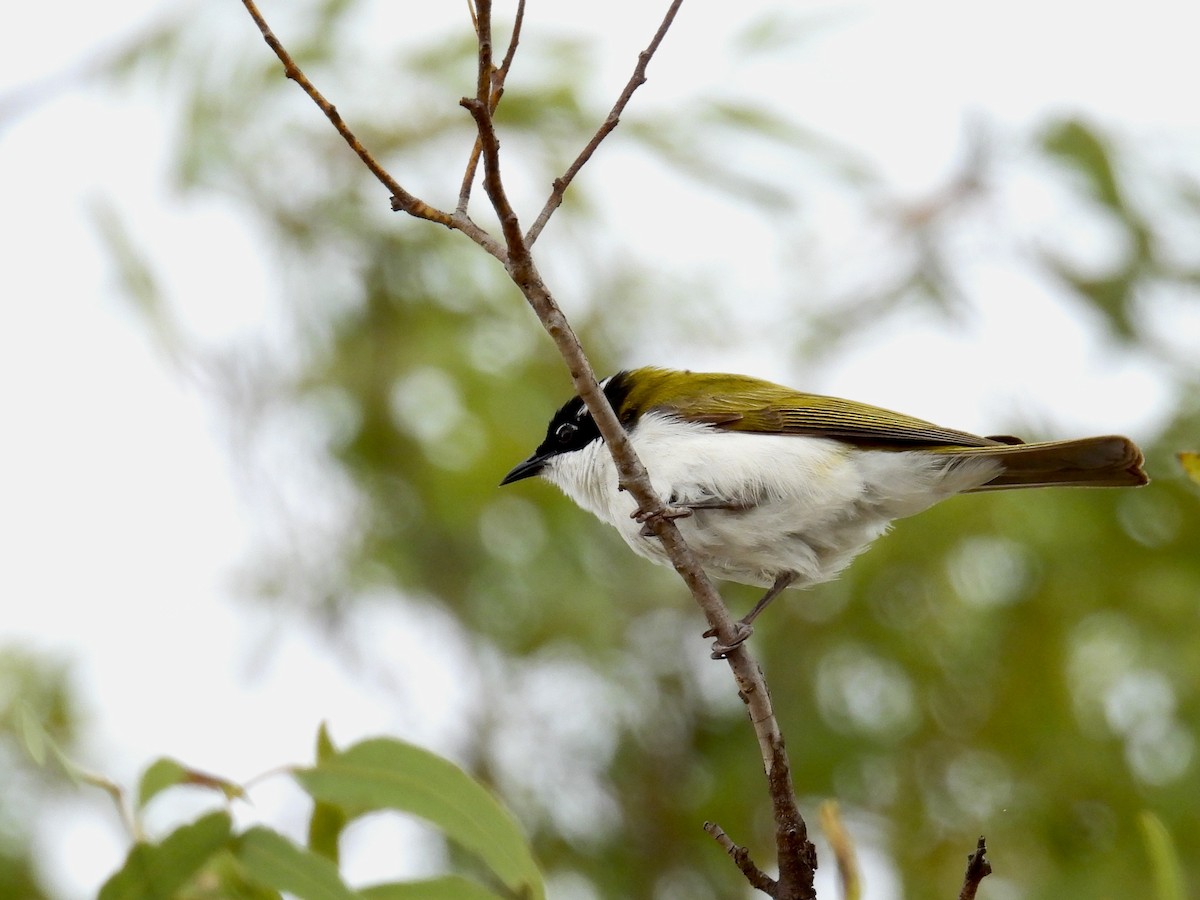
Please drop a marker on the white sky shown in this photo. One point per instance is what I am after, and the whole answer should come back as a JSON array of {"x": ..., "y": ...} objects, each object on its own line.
[{"x": 119, "y": 514}]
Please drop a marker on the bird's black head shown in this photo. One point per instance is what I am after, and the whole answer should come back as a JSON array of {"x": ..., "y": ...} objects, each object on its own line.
[{"x": 571, "y": 428}]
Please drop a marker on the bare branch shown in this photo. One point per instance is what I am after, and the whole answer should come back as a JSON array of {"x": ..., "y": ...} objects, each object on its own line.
[
  {"x": 614, "y": 117},
  {"x": 978, "y": 868}
]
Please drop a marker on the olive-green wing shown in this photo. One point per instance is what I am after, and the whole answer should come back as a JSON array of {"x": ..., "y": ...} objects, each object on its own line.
[{"x": 737, "y": 403}]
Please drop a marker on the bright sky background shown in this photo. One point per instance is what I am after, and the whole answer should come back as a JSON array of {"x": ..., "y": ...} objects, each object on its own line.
[{"x": 119, "y": 508}]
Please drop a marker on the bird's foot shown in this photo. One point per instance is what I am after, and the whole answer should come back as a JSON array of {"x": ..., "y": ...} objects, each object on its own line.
[
  {"x": 720, "y": 650},
  {"x": 668, "y": 513}
]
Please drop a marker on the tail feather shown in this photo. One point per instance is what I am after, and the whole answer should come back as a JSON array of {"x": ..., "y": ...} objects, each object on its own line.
[{"x": 1108, "y": 461}]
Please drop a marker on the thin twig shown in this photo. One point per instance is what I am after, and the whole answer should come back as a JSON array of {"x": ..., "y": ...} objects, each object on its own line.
[
  {"x": 483, "y": 34},
  {"x": 481, "y": 21},
  {"x": 510, "y": 54},
  {"x": 409, "y": 203},
  {"x": 518, "y": 253},
  {"x": 402, "y": 200},
  {"x": 498, "y": 79},
  {"x": 554, "y": 201},
  {"x": 468, "y": 179},
  {"x": 758, "y": 879},
  {"x": 978, "y": 868}
]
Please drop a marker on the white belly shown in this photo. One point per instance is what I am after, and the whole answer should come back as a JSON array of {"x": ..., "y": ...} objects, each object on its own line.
[{"x": 805, "y": 506}]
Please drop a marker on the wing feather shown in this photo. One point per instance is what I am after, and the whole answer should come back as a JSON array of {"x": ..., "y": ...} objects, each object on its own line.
[{"x": 740, "y": 403}]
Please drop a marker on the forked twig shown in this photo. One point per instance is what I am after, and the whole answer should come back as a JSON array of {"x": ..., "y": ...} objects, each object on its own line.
[
  {"x": 758, "y": 879},
  {"x": 554, "y": 201}
]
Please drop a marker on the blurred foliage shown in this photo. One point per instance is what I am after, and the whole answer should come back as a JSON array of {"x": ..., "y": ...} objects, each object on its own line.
[
  {"x": 1115, "y": 290},
  {"x": 1164, "y": 859},
  {"x": 36, "y": 698},
  {"x": 1022, "y": 665}
]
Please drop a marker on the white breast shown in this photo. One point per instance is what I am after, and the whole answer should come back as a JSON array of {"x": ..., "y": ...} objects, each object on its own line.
[{"x": 805, "y": 505}]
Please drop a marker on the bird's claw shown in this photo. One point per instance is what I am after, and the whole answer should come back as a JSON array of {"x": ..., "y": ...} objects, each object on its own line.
[
  {"x": 666, "y": 514},
  {"x": 721, "y": 650}
]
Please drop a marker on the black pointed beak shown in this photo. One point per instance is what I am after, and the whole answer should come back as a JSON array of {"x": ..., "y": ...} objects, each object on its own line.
[{"x": 527, "y": 469}]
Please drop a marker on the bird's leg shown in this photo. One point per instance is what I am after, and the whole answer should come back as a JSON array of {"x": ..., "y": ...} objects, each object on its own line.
[{"x": 744, "y": 626}]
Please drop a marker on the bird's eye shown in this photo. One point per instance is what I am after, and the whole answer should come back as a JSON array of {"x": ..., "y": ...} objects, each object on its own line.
[{"x": 565, "y": 433}]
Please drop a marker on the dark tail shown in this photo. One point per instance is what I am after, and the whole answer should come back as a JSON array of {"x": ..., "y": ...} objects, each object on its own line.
[{"x": 1109, "y": 461}]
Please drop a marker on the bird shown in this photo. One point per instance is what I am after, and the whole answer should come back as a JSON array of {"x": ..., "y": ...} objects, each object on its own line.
[{"x": 778, "y": 488}]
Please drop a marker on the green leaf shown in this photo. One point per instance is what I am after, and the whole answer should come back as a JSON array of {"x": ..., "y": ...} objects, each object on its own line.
[
  {"x": 328, "y": 819},
  {"x": 272, "y": 859},
  {"x": 160, "y": 775},
  {"x": 158, "y": 871},
  {"x": 165, "y": 773},
  {"x": 383, "y": 773},
  {"x": 447, "y": 887},
  {"x": 325, "y": 745},
  {"x": 1164, "y": 858}
]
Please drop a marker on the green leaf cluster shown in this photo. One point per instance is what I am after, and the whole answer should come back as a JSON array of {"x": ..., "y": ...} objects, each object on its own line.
[{"x": 208, "y": 858}]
